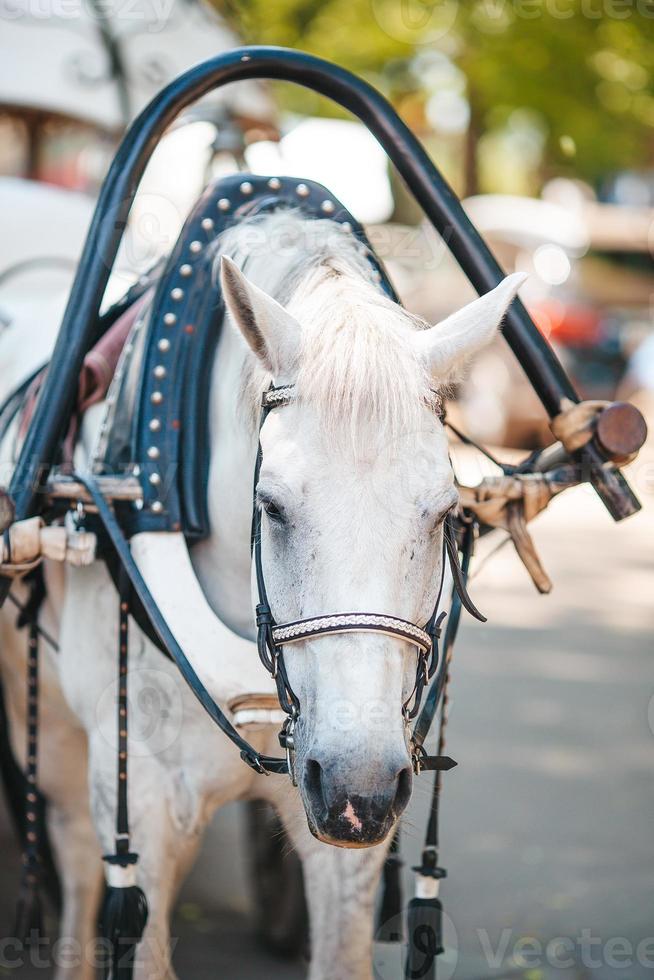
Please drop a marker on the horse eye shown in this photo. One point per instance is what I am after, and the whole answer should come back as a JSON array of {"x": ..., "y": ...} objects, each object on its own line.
[
  {"x": 440, "y": 519},
  {"x": 273, "y": 511}
]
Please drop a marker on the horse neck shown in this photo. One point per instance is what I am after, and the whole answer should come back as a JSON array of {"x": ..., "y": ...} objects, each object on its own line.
[{"x": 222, "y": 561}]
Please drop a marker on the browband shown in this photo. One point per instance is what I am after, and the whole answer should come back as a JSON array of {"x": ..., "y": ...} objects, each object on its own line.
[
  {"x": 302, "y": 629},
  {"x": 274, "y": 397}
]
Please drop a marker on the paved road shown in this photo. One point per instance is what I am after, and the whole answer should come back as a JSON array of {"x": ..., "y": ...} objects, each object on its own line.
[{"x": 548, "y": 823}]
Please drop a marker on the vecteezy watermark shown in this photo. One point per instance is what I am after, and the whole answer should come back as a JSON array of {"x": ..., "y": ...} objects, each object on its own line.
[
  {"x": 151, "y": 15},
  {"x": 286, "y": 238},
  {"x": 389, "y": 957},
  {"x": 585, "y": 950},
  {"x": 156, "y": 711},
  {"x": 511, "y": 950},
  {"x": 67, "y": 953},
  {"x": 415, "y": 21},
  {"x": 419, "y": 22},
  {"x": 151, "y": 226},
  {"x": 507, "y": 10}
]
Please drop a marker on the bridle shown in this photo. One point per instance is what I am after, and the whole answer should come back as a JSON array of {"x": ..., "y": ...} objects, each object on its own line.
[{"x": 273, "y": 637}]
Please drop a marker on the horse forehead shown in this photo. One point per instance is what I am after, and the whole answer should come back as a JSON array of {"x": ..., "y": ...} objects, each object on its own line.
[
  {"x": 286, "y": 446},
  {"x": 293, "y": 440}
]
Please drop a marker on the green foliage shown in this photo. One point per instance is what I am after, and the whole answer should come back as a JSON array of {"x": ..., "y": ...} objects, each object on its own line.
[
  {"x": 583, "y": 68},
  {"x": 589, "y": 77}
]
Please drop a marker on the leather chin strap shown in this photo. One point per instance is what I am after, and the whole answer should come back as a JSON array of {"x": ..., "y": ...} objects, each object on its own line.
[{"x": 273, "y": 637}]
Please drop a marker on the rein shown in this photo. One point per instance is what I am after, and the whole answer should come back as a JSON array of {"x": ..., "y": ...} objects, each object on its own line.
[{"x": 249, "y": 754}]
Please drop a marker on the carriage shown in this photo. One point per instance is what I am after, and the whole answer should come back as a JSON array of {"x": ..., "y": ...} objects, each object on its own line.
[{"x": 141, "y": 497}]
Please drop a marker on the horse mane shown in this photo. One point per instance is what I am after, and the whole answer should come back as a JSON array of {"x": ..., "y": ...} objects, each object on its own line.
[{"x": 356, "y": 367}]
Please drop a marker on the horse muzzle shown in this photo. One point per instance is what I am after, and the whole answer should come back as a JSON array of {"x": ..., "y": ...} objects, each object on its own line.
[{"x": 340, "y": 812}]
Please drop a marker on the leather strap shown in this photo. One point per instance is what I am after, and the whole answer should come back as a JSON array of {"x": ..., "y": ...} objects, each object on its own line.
[
  {"x": 303, "y": 629},
  {"x": 459, "y": 578},
  {"x": 249, "y": 754}
]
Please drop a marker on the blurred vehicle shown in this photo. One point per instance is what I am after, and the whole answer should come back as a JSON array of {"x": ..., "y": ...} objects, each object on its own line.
[
  {"x": 98, "y": 66},
  {"x": 60, "y": 123},
  {"x": 589, "y": 290}
]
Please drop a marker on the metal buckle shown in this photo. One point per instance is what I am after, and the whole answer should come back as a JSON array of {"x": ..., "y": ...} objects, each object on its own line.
[
  {"x": 424, "y": 660},
  {"x": 253, "y": 762},
  {"x": 417, "y": 756},
  {"x": 287, "y": 742}
]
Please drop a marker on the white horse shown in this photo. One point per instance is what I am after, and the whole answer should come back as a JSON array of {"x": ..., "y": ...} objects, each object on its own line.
[{"x": 354, "y": 486}]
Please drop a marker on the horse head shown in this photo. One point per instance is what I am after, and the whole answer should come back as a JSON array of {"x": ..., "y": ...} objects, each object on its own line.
[{"x": 354, "y": 486}]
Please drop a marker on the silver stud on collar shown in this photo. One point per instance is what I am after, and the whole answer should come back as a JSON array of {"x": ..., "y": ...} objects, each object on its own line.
[
  {"x": 157, "y": 507},
  {"x": 159, "y": 371},
  {"x": 274, "y": 183},
  {"x": 302, "y": 190},
  {"x": 170, "y": 319},
  {"x": 155, "y": 479},
  {"x": 195, "y": 247},
  {"x": 207, "y": 224},
  {"x": 346, "y": 226},
  {"x": 328, "y": 207},
  {"x": 164, "y": 343},
  {"x": 177, "y": 293},
  {"x": 224, "y": 204},
  {"x": 153, "y": 452},
  {"x": 186, "y": 270},
  {"x": 156, "y": 398},
  {"x": 155, "y": 425},
  {"x": 246, "y": 187}
]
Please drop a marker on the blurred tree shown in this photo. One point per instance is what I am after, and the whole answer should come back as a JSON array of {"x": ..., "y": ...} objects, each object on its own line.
[
  {"x": 583, "y": 68},
  {"x": 589, "y": 76}
]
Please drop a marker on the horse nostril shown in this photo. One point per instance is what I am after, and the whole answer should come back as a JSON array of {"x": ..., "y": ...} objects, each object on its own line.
[
  {"x": 313, "y": 785},
  {"x": 403, "y": 792}
]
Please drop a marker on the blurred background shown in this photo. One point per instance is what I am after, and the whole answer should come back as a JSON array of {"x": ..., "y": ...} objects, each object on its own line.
[{"x": 541, "y": 115}]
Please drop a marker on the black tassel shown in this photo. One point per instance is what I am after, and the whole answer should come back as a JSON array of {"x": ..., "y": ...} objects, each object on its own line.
[
  {"x": 123, "y": 920},
  {"x": 425, "y": 920},
  {"x": 389, "y": 919},
  {"x": 29, "y": 914},
  {"x": 425, "y": 929}
]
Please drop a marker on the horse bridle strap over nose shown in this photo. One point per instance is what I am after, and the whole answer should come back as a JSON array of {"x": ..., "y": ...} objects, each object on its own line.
[
  {"x": 304, "y": 629},
  {"x": 273, "y": 637}
]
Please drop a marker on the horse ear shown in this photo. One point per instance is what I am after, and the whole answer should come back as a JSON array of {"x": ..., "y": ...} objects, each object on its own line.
[
  {"x": 271, "y": 332},
  {"x": 447, "y": 346}
]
